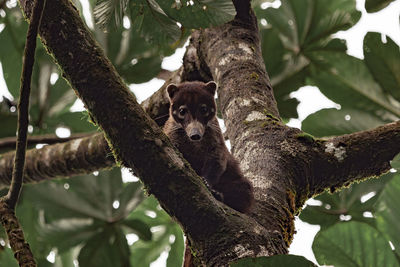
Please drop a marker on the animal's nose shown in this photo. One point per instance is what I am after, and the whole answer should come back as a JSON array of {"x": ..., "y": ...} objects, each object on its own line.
[
  {"x": 195, "y": 134},
  {"x": 195, "y": 137}
]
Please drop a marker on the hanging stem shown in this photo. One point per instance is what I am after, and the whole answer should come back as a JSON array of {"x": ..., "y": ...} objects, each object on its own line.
[
  {"x": 9, "y": 221},
  {"x": 23, "y": 105}
]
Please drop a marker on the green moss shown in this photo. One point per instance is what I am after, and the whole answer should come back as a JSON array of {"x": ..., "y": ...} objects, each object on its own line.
[
  {"x": 114, "y": 150},
  {"x": 270, "y": 116},
  {"x": 254, "y": 76},
  {"x": 308, "y": 138}
]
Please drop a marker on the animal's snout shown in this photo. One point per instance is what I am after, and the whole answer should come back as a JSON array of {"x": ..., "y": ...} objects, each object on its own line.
[
  {"x": 195, "y": 134},
  {"x": 195, "y": 131}
]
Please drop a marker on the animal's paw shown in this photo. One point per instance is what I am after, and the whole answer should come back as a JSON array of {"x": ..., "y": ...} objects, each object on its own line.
[{"x": 218, "y": 196}]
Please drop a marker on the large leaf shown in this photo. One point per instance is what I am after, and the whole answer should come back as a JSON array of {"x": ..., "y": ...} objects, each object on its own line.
[
  {"x": 383, "y": 61},
  {"x": 346, "y": 204},
  {"x": 330, "y": 122},
  {"x": 277, "y": 260},
  {"x": 388, "y": 212},
  {"x": 7, "y": 257},
  {"x": 77, "y": 122},
  {"x": 12, "y": 40},
  {"x": 353, "y": 244},
  {"x": 199, "y": 14},
  {"x": 376, "y": 5},
  {"x": 109, "y": 10},
  {"x": 153, "y": 24},
  {"x": 108, "y": 248},
  {"x": 347, "y": 81},
  {"x": 300, "y": 28},
  {"x": 175, "y": 255},
  {"x": 8, "y": 124},
  {"x": 142, "y": 71},
  {"x": 139, "y": 228},
  {"x": 162, "y": 227},
  {"x": 68, "y": 233},
  {"x": 304, "y": 23},
  {"x": 88, "y": 196}
]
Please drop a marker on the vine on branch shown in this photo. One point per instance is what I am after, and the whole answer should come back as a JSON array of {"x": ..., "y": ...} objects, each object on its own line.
[{"x": 9, "y": 221}]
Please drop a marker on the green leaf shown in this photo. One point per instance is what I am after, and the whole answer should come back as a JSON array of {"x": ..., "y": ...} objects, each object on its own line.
[
  {"x": 154, "y": 25},
  {"x": 140, "y": 228},
  {"x": 347, "y": 81},
  {"x": 106, "y": 11},
  {"x": 304, "y": 23},
  {"x": 88, "y": 196},
  {"x": 129, "y": 199},
  {"x": 12, "y": 40},
  {"x": 346, "y": 202},
  {"x": 54, "y": 198},
  {"x": 353, "y": 244},
  {"x": 300, "y": 28},
  {"x": 273, "y": 261},
  {"x": 395, "y": 163},
  {"x": 77, "y": 122},
  {"x": 175, "y": 255},
  {"x": 376, "y": 5},
  {"x": 61, "y": 98},
  {"x": 388, "y": 212},
  {"x": 144, "y": 253},
  {"x": 8, "y": 124},
  {"x": 144, "y": 69},
  {"x": 330, "y": 122},
  {"x": 199, "y": 14},
  {"x": 108, "y": 248},
  {"x": 383, "y": 61},
  {"x": 67, "y": 233},
  {"x": 7, "y": 257}
]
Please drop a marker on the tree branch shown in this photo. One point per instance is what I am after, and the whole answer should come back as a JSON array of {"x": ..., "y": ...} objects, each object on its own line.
[
  {"x": 9, "y": 142},
  {"x": 79, "y": 156},
  {"x": 345, "y": 159},
  {"x": 23, "y": 104},
  {"x": 9, "y": 221}
]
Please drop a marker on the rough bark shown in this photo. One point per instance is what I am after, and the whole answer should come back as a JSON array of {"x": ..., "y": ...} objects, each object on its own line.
[{"x": 82, "y": 155}]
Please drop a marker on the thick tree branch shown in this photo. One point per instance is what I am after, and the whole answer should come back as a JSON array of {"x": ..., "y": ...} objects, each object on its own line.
[
  {"x": 79, "y": 156},
  {"x": 354, "y": 157}
]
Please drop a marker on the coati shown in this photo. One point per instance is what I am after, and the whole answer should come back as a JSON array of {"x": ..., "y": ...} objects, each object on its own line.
[{"x": 193, "y": 128}]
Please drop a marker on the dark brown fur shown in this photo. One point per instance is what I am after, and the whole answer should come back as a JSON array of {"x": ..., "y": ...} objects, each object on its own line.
[
  {"x": 198, "y": 136},
  {"x": 208, "y": 156}
]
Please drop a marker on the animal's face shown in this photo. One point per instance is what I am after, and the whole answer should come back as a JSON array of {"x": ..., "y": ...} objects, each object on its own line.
[{"x": 192, "y": 106}]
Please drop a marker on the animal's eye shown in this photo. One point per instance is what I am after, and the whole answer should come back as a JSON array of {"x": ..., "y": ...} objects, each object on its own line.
[
  {"x": 182, "y": 111},
  {"x": 204, "y": 109}
]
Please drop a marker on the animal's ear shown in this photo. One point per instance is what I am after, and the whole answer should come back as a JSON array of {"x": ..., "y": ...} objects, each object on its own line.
[
  {"x": 171, "y": 90},
  {"x": 211, "y": 87}
]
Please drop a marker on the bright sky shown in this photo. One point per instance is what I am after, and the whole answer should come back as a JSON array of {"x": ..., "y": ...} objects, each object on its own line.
[{"x": 311, "y": 100}]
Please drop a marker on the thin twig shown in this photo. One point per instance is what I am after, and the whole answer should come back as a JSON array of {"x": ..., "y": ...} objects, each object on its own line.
[
  {"x": 9, "y": 142},
  {"x": 23, "y": 104}
]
